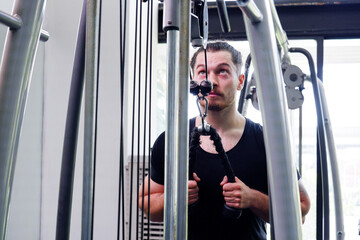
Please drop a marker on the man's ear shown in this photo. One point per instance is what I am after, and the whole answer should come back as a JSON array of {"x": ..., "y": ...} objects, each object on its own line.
[{"x": 241, "y": 82}]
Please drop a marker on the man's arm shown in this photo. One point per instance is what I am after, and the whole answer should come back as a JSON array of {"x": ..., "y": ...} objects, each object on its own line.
[
  {"x": 239, "y": 195},
  {"x": 156, "y": 199},
  {"x": 304, "y": 200}
]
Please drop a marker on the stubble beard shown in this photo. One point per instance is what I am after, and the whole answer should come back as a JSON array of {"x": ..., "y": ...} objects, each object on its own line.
[{"x": 215, "y": 107}]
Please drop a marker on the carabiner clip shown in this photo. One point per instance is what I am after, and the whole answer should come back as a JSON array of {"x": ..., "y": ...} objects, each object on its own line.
[{"x": 204, "y": 128}]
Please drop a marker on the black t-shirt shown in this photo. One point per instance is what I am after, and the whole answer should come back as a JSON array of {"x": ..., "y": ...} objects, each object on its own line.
[{"x": 248, "y": 160}]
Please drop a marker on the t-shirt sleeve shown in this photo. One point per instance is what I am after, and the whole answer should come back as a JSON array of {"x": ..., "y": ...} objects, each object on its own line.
[{"x": 157, "y": 160}]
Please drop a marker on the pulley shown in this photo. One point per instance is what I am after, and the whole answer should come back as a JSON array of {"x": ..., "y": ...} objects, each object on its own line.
[
  {"x": 294, "y": 97},
  {"x": 293, "y": 76}
]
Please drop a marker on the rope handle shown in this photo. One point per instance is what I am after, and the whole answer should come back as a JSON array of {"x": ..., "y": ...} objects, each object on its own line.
[
  {"x": 214, "y": 136},
  {"x": 229, "y": 212}
]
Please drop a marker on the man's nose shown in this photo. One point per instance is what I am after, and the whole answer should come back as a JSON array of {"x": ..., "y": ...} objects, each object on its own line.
[{"x": 213, "y": 78}]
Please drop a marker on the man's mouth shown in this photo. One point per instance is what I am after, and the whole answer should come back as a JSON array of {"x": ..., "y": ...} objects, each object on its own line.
[{"x": 213, "y": 94}]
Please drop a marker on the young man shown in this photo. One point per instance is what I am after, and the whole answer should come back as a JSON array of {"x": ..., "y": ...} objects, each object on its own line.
[{"x": 243, "y": 142}]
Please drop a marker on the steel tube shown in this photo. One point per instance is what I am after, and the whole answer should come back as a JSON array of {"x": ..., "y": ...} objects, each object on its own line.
[
  {"x": 285, "y": 208},
  {"x": 177, "y": 138},
  {"x": 15, "y": 76},
  {"x": 322, "y": 206},
  {"x": 249, "y": 8},
  {"x": 339, "y": 219},
  {"x": 281, "y": 37},
  {"x": 182, "y": 152},
  {"x": 71, "y": 135},
  {"x": 170, "y": 210},
  {"x": 91, "y": 73},
  {"x": 223, "y": 16},
  {"x": 13, "y": 22}
]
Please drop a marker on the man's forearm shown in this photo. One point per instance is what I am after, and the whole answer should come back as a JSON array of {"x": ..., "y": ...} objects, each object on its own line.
[
  {"x": 156, "y": 207},
  {"x": 260, "y": 205}
]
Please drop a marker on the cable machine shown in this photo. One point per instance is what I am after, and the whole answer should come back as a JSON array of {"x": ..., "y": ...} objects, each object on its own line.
[
  {"x": 261, "y": 23},
  {"x": 294, "y": 79},
  {"x": 272, "y": 67}
]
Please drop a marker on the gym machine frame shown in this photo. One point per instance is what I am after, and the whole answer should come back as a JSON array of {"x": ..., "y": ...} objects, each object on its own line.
[
  {"x": 15, "y": 75},
  {"x": 286, "y": 219}
]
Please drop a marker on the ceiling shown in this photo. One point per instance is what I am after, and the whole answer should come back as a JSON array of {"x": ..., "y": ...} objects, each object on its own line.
[{"x": 326, "y": 19}]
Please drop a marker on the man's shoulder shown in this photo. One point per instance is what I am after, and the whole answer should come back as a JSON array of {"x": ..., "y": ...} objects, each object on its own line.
[
  {"x": 253, "y": 126},
  {"x": 160, "y": 140}
]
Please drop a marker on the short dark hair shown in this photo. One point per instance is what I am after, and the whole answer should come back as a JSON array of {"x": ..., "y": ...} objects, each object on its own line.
[{"x": 216, "y": 47}]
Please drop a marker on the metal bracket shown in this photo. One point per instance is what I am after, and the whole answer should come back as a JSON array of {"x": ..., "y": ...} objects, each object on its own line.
[{"x": 199, "y": 23}]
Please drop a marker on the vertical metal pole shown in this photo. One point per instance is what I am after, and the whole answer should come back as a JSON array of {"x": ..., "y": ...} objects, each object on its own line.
[
  {"x": 319, "y": 193},
  {"x": 182, "y": 119},
  {"x": 15, "y": 75},
  {"x": 339, "y": 220},
  {"x": 91, "y": 63},
  {"x": 170, "y": 142},
  {"x": 322, "y": 196},
  {"x": 176, "y": 144},
  {"x": 285, "y": 207},
  {"x": 71, "y": 134}
]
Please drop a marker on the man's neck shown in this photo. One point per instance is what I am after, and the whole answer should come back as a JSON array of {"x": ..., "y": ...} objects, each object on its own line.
[{"x": 225, "y": 119}]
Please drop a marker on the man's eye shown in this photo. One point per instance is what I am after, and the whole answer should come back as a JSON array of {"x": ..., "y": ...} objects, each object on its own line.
[
  {"x": 223, "y": 71},
  {"x": 202, "y": 73}
]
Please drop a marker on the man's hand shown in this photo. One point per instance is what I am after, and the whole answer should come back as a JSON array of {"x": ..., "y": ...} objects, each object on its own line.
[
  {"x": 193, "y": 190},
  {"x": 237, "y": 194}
]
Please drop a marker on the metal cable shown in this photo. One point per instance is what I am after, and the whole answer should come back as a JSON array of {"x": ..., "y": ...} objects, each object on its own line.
[
  {"x": 150, "y": 108},
  {"x": 121, "y": 193},
  {"x": 133, "y": 123},
  {"x": 139, "y": 118},
  {"x": 96, "y": 117},
  {"x": 145, "y": 116}
]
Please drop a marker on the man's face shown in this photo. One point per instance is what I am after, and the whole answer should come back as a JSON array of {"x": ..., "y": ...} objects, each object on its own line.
[{"x": 222, "y": 72}]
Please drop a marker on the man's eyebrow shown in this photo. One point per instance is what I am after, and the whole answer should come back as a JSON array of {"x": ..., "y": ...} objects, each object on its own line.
[
  {"x": 224, "y": 64},
  {"x": 220, "y": 65},
  {"x": 200, "y": 65}
]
